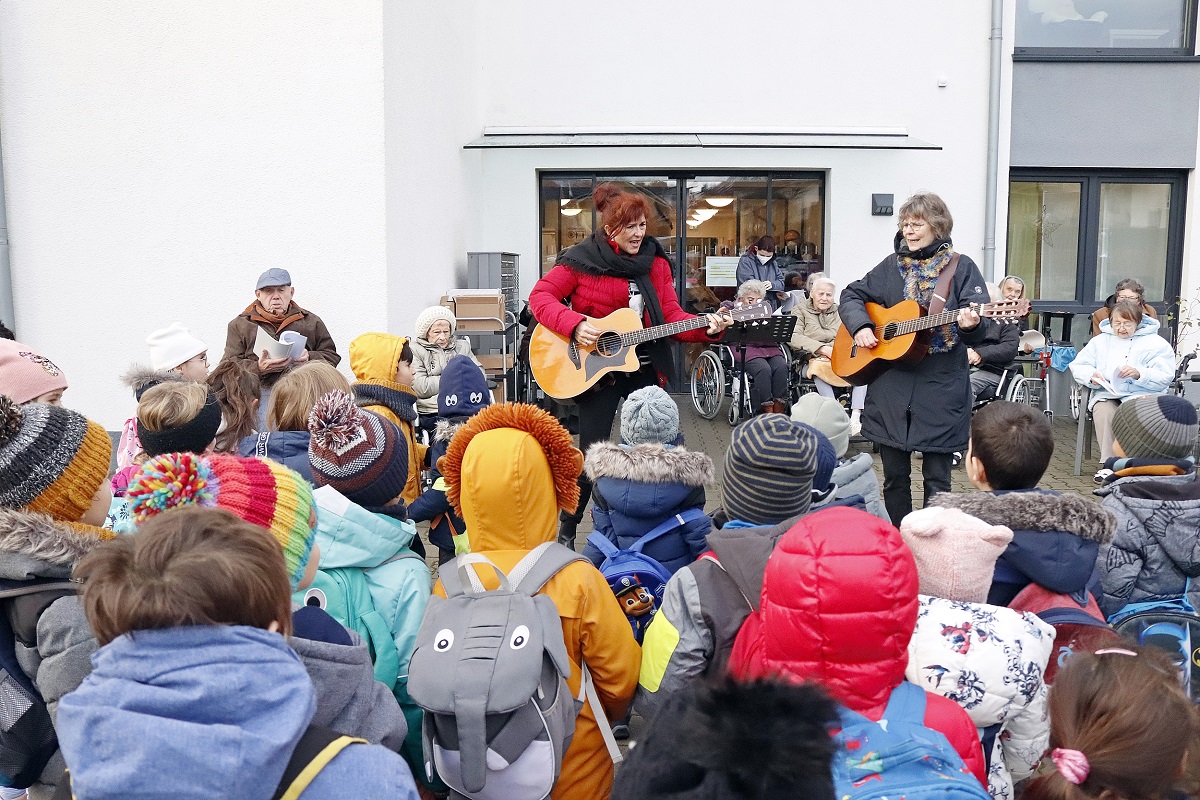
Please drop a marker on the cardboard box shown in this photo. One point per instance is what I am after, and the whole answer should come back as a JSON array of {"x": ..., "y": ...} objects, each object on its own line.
[
  {"x": 480, "y": 310},
  {"x": 499, "y": 391},
  {"x": 495, "y": 362}
]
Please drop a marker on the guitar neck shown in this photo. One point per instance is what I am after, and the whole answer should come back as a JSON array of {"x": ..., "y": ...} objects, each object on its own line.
[
  {"x": 663, "y": 331},
  {"x": 931, "y": 321}
]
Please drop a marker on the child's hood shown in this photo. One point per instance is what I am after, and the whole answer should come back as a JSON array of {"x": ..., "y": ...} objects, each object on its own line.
[
  {"x": 351, "y": 536},
  {"x": 222, "y": 705},
  {"x": 139, "y": 378},
  {"x": 373, "y": 356}
]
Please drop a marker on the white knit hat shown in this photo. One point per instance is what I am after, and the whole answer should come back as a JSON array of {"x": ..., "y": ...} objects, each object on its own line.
[
  {"x": 431, "y": 315},
  {"x": 173, "y": 345}
]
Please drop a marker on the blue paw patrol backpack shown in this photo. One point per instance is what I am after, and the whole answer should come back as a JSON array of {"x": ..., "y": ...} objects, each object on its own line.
[{"x": 638, "y": 580}]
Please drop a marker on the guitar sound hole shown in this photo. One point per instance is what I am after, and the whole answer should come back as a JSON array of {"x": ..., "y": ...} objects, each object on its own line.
[
  {"x": 609, "y": 344},
  {"x": 889, "y": 331}
]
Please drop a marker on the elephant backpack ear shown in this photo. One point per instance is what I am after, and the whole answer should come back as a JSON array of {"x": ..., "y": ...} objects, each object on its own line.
[{"x": 554, "y": 644}]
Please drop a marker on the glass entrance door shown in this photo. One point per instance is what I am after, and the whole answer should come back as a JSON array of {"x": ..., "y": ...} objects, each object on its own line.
[{"x": 721, "y": 215}]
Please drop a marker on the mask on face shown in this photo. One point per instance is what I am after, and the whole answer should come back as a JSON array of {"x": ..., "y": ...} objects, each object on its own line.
[{"x": 764, "y": 259}]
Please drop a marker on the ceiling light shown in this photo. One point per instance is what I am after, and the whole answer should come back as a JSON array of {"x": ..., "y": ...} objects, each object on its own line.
[
  {"x": 564, "y": 201},
  {"x": 692, "y": 223},
  {"x": 718, "y": 202},
  {"x": 569, "y": 212},
  {"x": 704, "y": 213}
]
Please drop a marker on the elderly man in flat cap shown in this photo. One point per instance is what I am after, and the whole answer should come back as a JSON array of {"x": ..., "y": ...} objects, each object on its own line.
[{"x": 274, "y": 312}]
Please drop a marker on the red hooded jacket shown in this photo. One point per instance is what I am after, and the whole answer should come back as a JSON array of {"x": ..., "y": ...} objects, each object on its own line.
[{"x": 838, "y": 606}]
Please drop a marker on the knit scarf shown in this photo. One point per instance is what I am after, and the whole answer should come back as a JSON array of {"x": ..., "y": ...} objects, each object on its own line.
[
  {"x": 293, "y": 313},
  {"x": 920, "y": 272},
  {"x": 399, "y": 398},
  {"x": 595, "y": 256}
]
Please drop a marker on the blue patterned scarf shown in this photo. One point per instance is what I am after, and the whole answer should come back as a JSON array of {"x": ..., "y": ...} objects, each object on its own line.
[{"x": 920, "y": 278}]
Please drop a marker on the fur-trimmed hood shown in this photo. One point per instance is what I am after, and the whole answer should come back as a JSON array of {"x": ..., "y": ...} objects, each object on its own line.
[
  {"x": 445, "y": 429},
  {"x": 648, "y": 463},
  {"x": 37, "y": 546},
  {"x": 139, "y": 378},
  {"x": 1056, "y": 538},
  {"x": 1036, "y": 511}
]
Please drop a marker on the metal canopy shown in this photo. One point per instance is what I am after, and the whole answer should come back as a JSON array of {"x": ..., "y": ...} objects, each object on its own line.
[{"x": 884, "y": 138}]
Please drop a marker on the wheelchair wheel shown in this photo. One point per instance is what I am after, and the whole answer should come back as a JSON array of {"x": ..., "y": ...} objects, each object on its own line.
[
  {"x": 1076, "y": 400},
  {"x": 736, "y": 401},
  {"x": 708, "y": 384},
  {"x": 1019, "y": 391}
]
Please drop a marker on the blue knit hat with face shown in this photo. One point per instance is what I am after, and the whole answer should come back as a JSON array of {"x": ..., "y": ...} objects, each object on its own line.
[{"x": 463, "y": 389}]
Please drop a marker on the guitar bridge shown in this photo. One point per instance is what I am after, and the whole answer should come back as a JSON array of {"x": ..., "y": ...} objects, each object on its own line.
[{"x": 573, "y": 353}]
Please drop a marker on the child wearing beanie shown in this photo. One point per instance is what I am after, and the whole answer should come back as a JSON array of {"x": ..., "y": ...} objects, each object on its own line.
[
  {"x": 360, "y": 465},
  {"x": 648, "y": 479},
  {"x": 27, "y": 377},
  {"x": 53, "y": 496},
  {"x": 195, "y": 692},
  {"x": 988, "y": 659},
  {"x": 280, "y": 501},
  {"x": 463, "y": 393},
  {"x": 383, "y": 372},
  {"x": 851, "y": 476},
  {"x": 175, "y": 356},
  {"x": 508, "y": 472},
  {"x": 771, "y": 469},
  {"x": 1154, "y": 494}
]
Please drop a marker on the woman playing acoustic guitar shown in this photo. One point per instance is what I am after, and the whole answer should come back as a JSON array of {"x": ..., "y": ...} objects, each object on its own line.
[
  {"x": 923, "y": 406},
  {"x": 619, "y": 266}
]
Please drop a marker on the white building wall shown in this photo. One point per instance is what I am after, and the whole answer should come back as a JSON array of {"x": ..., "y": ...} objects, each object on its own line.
[
  {"x": 159, "y": 155},
  {"x": 771, "y": 64}
]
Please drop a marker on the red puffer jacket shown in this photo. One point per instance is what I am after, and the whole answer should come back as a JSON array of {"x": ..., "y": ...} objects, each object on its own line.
[
  {"x": 838, "y": 606},
  {"x": 599, "y": 296}
]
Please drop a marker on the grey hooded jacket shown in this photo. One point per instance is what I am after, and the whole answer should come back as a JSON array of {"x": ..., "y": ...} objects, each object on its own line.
[
  {"x": 856, "y": 476},
  {"x": 349, "y": 699},
  {"x": 1157, "y": 545},
  {"x": 36, "y": 546}
]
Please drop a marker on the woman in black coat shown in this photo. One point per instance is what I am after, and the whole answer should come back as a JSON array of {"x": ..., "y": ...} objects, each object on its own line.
[{"x": 924, "y": 406}]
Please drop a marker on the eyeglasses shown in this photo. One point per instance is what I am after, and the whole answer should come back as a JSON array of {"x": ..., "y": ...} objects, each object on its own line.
[
  {"x": 1132, "y": 297},
  {"x": 915, "y": 226},
  {"x": 202, "y": 358}
]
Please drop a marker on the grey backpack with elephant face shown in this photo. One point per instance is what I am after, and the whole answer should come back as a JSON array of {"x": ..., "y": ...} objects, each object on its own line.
[{"x": 490, "y": 670}]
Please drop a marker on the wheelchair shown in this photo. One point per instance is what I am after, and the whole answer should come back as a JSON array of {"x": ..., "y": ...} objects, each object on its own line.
[
  {"x": 716, "y": 374},
  {"x": 1017, "y": 387}
]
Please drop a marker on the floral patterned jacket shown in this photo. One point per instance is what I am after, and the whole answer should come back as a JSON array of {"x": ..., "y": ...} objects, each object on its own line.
[{"x": 990, "y": 660}]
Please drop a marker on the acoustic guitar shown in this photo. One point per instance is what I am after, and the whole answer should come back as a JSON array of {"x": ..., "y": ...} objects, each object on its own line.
[
  {"x": 901, "y": 330},
  {"x": 566, "y": 369}
]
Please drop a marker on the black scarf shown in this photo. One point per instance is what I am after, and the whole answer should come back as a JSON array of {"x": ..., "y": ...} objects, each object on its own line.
[{"x": 595, "y": 256}]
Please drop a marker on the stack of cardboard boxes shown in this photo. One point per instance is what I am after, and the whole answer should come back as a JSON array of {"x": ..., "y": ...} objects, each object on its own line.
[{"x": 481, "y": 311}]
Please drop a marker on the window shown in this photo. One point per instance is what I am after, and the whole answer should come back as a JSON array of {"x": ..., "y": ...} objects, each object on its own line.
[
  {"x": 722, "y": 216},
  {"x": 1106, "y": 27},
  {"x": 1072, "y": 236}
]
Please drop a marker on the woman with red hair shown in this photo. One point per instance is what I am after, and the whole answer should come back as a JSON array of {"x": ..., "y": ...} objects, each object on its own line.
[{"x": 618, "y": 266}]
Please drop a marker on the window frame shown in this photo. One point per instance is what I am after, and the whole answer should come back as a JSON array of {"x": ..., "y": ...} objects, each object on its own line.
[
  {"x": 1087, "y": 259},
  {"x": 1186, "y": 52}
]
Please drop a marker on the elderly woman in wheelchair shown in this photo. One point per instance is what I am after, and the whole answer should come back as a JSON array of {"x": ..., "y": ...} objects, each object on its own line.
[
  {"x": 817, "y": 324},
  {"x": 767, "y": 366}
]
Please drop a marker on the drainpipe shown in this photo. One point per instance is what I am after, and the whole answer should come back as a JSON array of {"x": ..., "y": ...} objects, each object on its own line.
[
  {"x": 7, "y": 315},
  {"x": 993, "y": 148}
]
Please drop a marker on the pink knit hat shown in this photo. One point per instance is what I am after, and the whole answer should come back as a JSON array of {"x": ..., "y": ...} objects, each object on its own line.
[
  {"x": 955, "y": 552},
  {"x": 25, "y": 375}
]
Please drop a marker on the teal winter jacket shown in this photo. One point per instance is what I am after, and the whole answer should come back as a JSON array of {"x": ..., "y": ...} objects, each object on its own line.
[{"x": 352, "y": 537}]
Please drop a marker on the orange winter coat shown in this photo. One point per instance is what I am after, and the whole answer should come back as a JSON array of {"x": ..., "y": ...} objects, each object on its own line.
[
  {"x": 508, "y": 503},
  {"x": 373, "y": 358}
]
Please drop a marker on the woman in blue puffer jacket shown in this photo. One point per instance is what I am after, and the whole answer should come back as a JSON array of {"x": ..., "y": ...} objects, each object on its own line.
[{"x": 646, "y": 480}]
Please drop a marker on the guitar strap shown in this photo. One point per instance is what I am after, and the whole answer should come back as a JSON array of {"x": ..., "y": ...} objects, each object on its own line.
[{"x": 941, "y": 290}]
